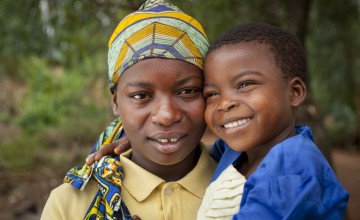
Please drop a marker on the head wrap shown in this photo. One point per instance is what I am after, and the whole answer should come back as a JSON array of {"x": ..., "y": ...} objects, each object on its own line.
[{"x": 157, "y": 29}]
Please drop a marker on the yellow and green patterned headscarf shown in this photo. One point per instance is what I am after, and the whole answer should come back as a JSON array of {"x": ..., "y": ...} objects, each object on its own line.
[{"x": 157, "y": 29}]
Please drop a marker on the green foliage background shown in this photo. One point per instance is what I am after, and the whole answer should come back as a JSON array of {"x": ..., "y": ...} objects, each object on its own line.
[{"x": 53, "y": 70}]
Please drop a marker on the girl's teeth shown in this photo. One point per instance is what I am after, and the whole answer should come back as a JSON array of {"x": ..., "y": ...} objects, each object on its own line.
[{"x": 236, "y": 123}]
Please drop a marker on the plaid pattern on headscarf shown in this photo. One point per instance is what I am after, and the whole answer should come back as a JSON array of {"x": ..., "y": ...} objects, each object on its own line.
[{"x": 157, "y": 29}]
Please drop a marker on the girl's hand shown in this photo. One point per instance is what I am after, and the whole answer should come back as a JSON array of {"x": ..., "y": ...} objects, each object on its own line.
[{"x": 115, "y": 148}]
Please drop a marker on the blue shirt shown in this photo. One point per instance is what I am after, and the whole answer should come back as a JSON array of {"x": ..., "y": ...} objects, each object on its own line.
[{"x": 294, "y": 181}]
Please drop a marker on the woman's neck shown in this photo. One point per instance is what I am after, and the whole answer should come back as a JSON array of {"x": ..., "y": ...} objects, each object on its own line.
[{"x": 172, "y": 172}]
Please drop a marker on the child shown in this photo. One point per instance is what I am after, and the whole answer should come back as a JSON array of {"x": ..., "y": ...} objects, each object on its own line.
[
  {"x": 155, "y": 77},
  {"x": 255, "y": 79}
]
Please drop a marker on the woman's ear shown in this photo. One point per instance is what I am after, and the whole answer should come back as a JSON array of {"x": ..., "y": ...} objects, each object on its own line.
[
  {"x": 298, "y": 91},
  {"x": 114, "y": 104}
]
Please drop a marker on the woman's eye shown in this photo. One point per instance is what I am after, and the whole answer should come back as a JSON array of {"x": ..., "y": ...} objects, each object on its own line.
[
  {"x": 189, "y": 91},
  {"x": 140, "y": 96}
]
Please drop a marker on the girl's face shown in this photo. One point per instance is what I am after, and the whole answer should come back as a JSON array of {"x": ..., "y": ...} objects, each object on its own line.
[
  {"x": 161, "y": 105},
  {"x": 248, "y": 102}
]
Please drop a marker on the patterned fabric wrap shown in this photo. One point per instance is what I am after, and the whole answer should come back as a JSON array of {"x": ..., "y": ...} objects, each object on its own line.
[
  {"x": 108, "y": 173},
  {"x": 157, "y": 29}
]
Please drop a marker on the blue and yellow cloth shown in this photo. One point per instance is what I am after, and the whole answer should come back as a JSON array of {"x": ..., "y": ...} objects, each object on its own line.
[
  {"x": 157, "y": 30},
  {"x": 108, "y": 173}
]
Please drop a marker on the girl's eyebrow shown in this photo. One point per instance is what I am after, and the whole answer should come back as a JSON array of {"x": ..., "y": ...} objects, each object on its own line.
[
  {"x": 209, "y": 85},
  {"x": 236, "y": 77},
  {"x": 245, "y": 73}
]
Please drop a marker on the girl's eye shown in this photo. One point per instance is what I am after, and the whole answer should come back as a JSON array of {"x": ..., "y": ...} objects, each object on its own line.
[
  {"x": 210, "y": 95},
  {"x": 244, "y": 84}
]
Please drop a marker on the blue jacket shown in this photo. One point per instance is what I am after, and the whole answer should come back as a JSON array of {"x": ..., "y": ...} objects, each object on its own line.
[{"x": 294, "y": 181}]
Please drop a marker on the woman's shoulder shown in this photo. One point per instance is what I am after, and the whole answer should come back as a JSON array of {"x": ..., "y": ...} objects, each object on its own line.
[{"x": 66, "y": 200}]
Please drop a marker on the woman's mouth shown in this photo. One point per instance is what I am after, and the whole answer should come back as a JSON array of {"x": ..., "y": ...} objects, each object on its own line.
[
  {"x": 167, "y": 142},
  {"x": 167, "y": 145},
  {"x": 171, "y": 140}
]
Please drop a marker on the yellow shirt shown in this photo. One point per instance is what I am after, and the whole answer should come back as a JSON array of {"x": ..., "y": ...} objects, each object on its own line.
[{"x": 145, "y": 194}]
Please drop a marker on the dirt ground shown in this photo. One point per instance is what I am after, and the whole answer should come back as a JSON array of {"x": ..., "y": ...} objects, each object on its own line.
[
  {"x": 347, "y": 167},
  {"x": 22, "y": 195}
]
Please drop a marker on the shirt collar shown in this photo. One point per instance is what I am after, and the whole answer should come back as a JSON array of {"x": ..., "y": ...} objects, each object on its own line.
[
  {"x": 199, "y": 178},
  {"x": 141, "y": 183}
]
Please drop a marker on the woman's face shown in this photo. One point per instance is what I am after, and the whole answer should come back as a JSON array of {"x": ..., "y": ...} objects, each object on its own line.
[{"x": 161, "y": 105}]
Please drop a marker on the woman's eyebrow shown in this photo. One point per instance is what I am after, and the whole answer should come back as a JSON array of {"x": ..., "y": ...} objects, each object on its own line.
[
  {"x": 187, "y": 79},
  {"x": 140, "y": 84}
]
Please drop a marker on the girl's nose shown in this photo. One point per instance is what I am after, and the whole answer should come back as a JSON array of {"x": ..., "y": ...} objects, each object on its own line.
[{"x": 226, "y": 105}]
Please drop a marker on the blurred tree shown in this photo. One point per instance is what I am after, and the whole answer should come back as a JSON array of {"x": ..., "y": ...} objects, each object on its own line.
[{"x": 333, "y": 49}]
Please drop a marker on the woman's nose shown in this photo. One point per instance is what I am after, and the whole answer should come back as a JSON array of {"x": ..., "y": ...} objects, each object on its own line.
[{"x": 166, "y": 113}]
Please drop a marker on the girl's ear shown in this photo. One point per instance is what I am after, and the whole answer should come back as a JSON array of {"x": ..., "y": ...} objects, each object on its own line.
[
  {"x": 114, "y": 104},
  {"x": 298, "y": 91}
]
